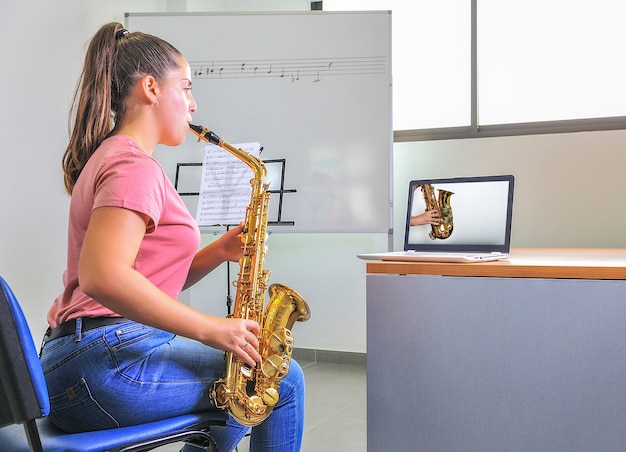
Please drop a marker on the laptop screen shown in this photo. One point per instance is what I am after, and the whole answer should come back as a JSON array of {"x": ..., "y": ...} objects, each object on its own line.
[{"x": 475, "y": 214}]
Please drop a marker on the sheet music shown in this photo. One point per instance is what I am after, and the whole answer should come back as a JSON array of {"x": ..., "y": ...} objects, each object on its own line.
[{"x": 225, "y": 186}]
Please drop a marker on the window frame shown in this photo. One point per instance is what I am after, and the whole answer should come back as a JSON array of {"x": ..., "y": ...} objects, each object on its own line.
[{"x": 475, "y": 130}]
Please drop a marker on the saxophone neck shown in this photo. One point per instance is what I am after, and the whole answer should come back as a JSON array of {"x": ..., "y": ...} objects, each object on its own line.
[{"x": 256, "y": 164}]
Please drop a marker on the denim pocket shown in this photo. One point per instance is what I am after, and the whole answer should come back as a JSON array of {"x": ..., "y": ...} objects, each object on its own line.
[
  {"x": 133, "y": 346},
  {"x": 75, "y": 410},
  {"x": 128, "y": 334}
]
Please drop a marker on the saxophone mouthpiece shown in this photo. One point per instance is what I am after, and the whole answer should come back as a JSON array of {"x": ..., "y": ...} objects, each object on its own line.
[{"x": 205, "y": 134}]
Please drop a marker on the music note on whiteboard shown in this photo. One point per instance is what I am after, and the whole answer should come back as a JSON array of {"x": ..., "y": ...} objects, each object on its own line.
[{"x": 313, "y": 69}]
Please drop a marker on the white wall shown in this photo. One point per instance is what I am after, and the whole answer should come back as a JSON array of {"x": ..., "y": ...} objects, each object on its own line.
[{"x": 568, "y": 189}]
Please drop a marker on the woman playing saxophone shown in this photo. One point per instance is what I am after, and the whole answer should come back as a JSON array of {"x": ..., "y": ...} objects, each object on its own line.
[{"x": 112, "y": 356}]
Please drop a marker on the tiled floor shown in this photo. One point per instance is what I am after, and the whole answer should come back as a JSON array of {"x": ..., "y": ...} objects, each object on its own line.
[{"x": 335, "y": 416}]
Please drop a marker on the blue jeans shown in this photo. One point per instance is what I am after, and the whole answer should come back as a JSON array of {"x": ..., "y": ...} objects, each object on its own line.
[{"x": 129, "y": 373}]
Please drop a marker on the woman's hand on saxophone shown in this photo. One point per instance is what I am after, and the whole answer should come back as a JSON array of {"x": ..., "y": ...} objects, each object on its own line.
[
  {"x": 226, "y": 248},
  {"x": 428, "y": 217},
  {"x": 245, "y": 340},
  {"x": 231, "y": 245},
  {"x": 237, "y": 336}
]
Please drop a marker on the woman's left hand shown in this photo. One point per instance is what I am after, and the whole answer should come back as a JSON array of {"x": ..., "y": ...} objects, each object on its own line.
[
  {"x": 231, "y": 244},
  {"x": 228, "y": 247}
]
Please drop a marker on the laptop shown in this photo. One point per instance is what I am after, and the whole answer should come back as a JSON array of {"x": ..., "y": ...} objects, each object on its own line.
[{"x": 476, "y": 214}]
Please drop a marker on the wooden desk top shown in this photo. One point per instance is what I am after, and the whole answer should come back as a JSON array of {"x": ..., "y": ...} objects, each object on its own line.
[{"x": 570, "y": 263}]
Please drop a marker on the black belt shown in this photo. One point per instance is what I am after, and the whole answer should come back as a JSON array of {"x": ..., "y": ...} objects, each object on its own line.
[{"x": 88, "y": 323}]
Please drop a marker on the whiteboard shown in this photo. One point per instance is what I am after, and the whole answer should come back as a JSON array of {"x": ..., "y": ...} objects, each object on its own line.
[{"x": 314, "y": 88}]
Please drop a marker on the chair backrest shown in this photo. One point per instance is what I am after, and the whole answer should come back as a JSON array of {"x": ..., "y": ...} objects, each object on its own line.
[{"x": 23, "y": 391}]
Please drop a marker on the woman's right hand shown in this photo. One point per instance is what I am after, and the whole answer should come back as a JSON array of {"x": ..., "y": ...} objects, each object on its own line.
[{"x": 240, "y": 337}]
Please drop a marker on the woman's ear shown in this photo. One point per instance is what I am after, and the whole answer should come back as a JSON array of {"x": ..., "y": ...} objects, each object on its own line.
[{"x": 149, "y": 89}]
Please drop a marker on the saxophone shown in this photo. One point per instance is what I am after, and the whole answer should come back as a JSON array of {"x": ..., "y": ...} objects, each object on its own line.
[
  {"x": 443, "y": 230},
  {"x": 250, "y": 394}
]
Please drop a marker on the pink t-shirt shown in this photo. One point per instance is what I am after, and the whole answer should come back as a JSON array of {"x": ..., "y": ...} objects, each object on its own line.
[{"x": 120, "y": 174}]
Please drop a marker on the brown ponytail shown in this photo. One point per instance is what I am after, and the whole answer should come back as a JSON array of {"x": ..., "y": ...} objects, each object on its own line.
[{"x": 114, "y": 62}]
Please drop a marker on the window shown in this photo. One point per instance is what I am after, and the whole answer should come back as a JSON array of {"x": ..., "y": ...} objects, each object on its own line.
[
  {"x": 430, "y": 59},
  {"x": 535, "y": 66}
]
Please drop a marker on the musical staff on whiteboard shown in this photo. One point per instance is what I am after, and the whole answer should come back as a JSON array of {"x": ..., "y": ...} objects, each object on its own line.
[{"x": 312, "y": 69}]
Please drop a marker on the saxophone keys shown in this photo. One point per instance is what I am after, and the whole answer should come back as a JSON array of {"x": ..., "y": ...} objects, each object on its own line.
[
  {"x": 246, "y": 371},
  {"x": 255, "y": 405},
  {"x": 220, "y": 394},
  {"x": 270, "y": 396},
  {"x": 280, "y": 341},
  {"x": 247, "y": 237},
  {"x": 275, "y": 366},
  {"x": 245, "y": 261}
]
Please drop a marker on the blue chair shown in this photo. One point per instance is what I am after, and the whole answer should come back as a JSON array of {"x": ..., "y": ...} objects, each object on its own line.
[{"x": 24, "y": 400}]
